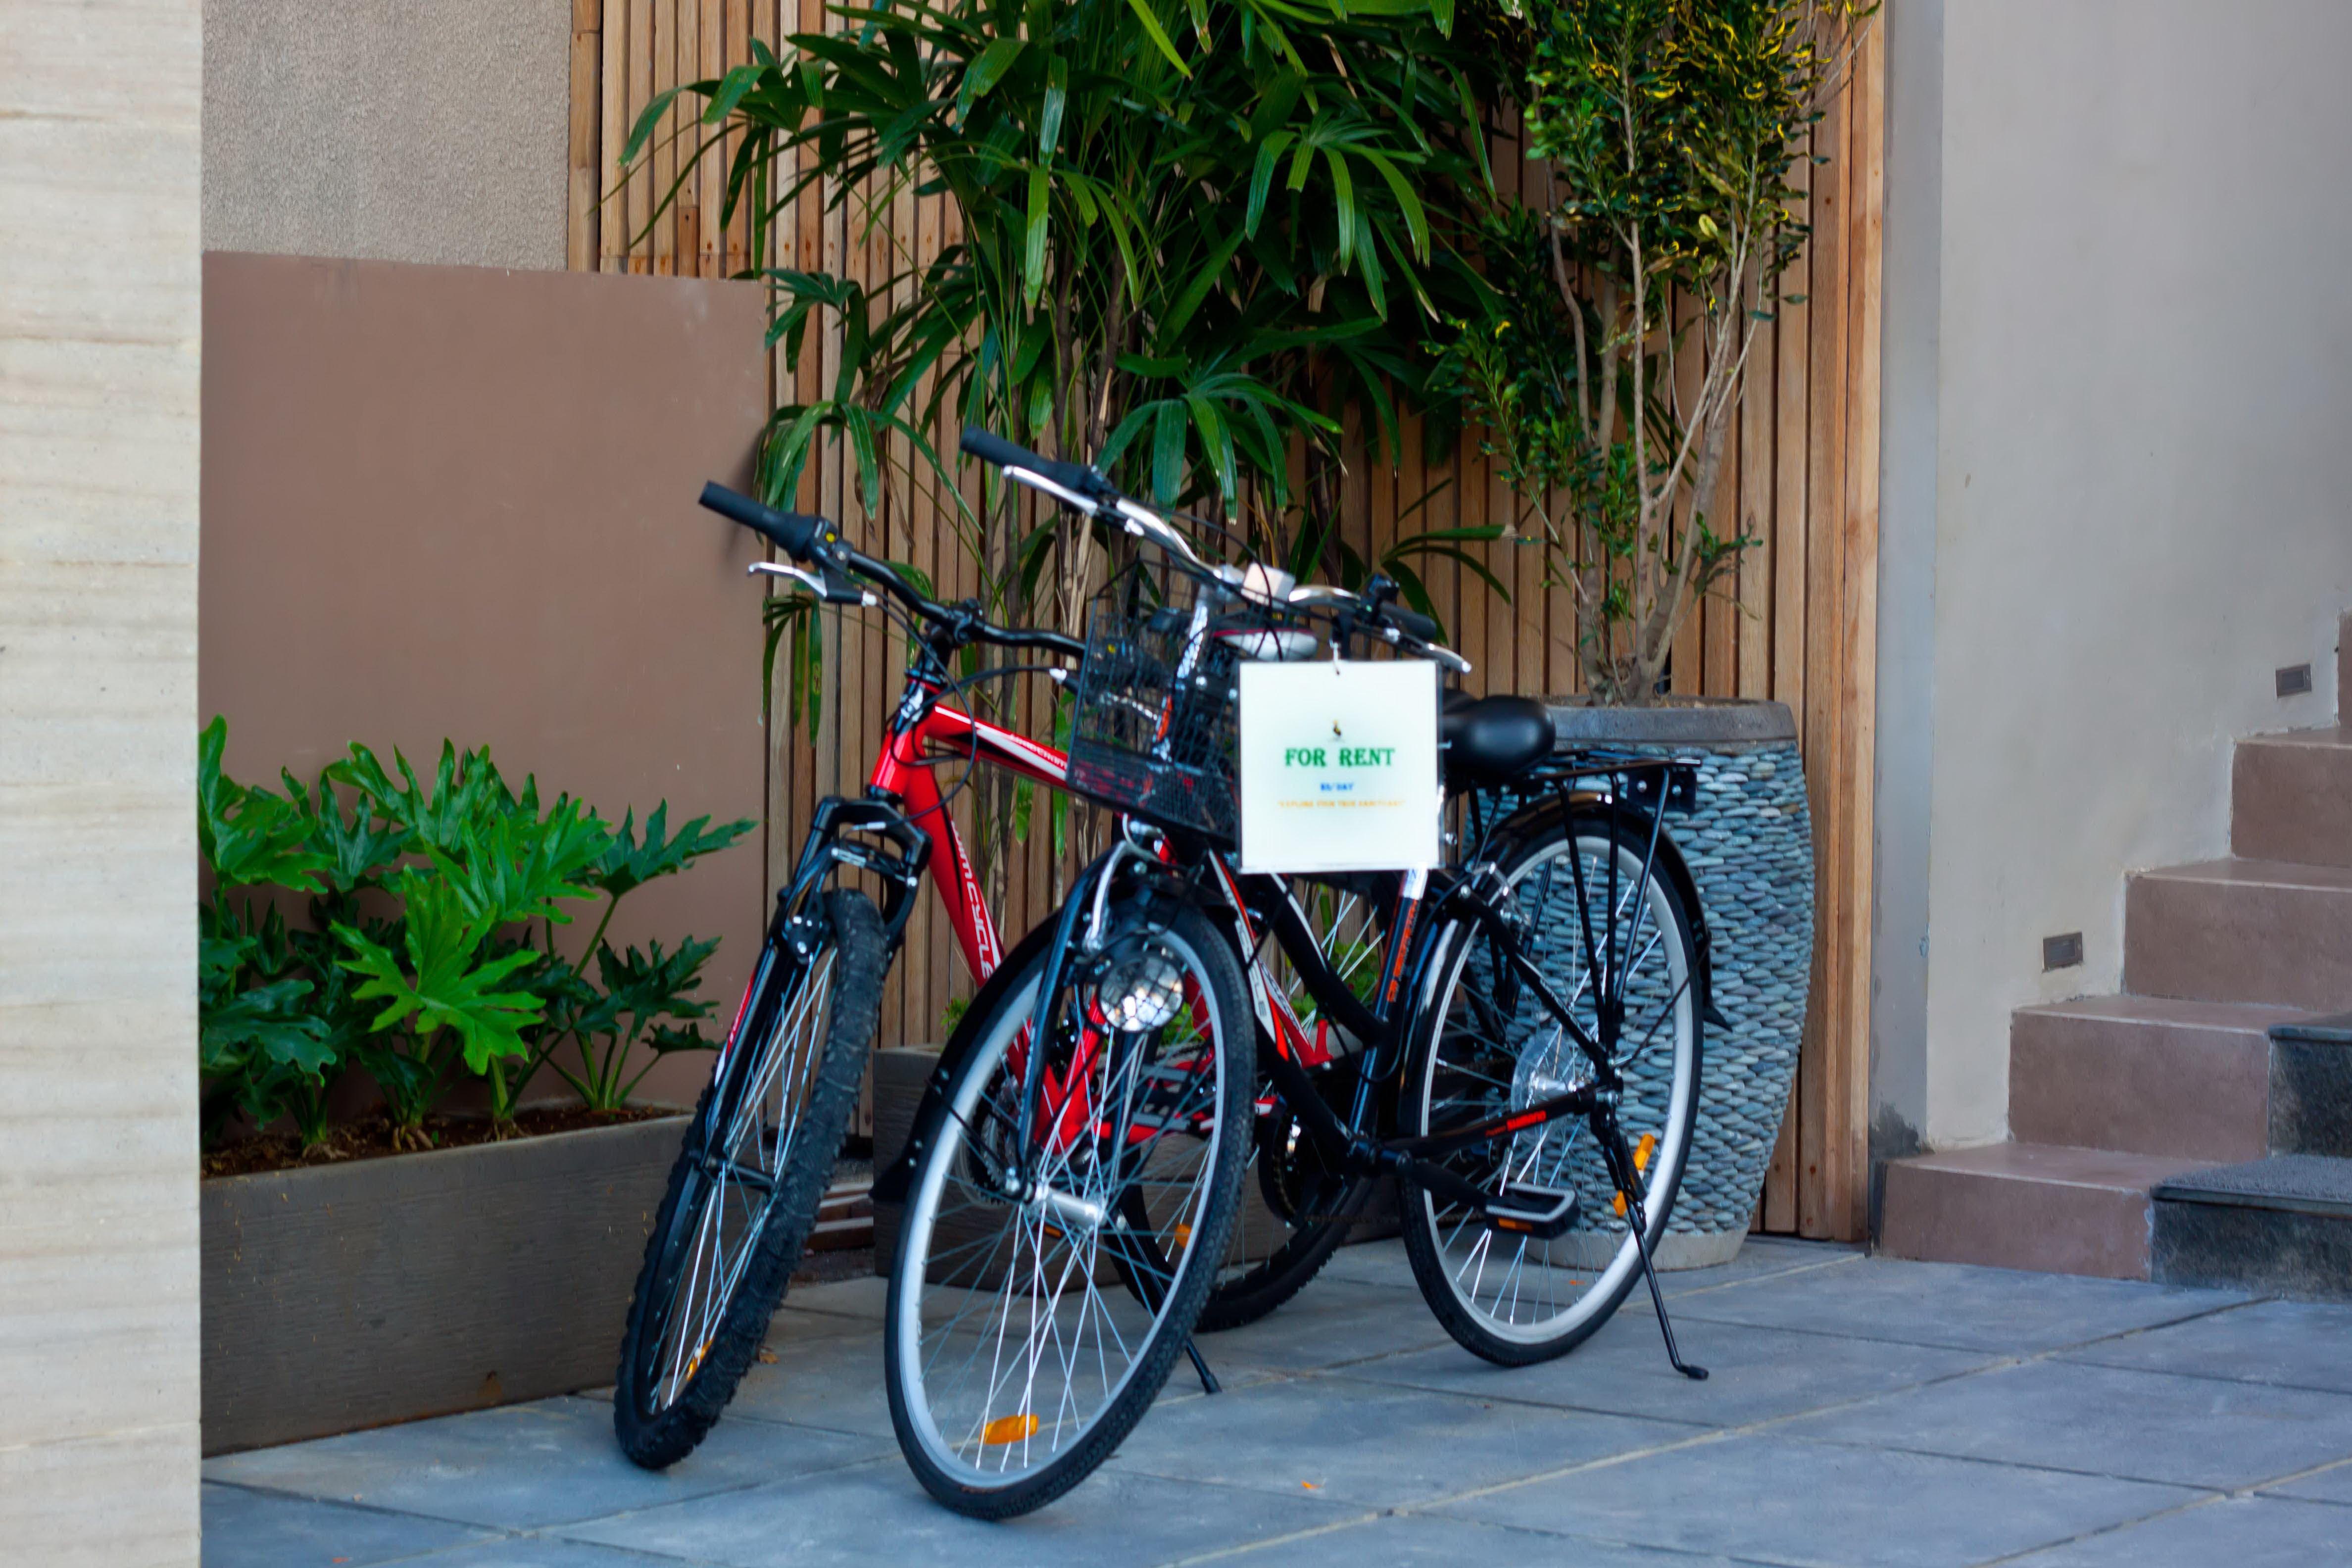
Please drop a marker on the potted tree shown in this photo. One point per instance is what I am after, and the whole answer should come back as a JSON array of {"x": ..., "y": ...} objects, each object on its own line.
[{"x": 1605, "y": 363}]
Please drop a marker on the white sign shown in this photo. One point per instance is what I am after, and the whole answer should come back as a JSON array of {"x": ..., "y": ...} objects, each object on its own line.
[{"x": 1338, "y": 766}]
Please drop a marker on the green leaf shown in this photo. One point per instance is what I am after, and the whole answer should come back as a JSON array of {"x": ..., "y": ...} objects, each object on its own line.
[
  {"x": 1167, "y": 45},
  {"x": 629, "y": 863},
  {"x": 447, "y": 981},
  {"x": 1034, "y": 253},
  {"x": 250, "y": 837},
  {"x": 986, "y": 71}
]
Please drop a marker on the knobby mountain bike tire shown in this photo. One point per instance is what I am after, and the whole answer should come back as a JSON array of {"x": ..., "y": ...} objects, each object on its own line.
[
  {"x": 749, "y": 1178},
  {"x": 1487, "y": 1046}
]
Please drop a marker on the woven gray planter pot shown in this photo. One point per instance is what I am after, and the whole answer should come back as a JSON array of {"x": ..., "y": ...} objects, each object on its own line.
[{"x": 1749, "y": 848}]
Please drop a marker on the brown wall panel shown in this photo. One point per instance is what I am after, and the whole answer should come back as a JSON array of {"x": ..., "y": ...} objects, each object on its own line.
[{"x": 456, "y": 501}]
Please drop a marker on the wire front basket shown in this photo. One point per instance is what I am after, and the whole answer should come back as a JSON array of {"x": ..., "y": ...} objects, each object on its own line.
[{"x": 1154, "y": 733}]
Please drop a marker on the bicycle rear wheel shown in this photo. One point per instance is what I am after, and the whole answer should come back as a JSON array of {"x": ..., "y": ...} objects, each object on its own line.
[
  {"x": 749, "y": 1180},
  {"x": 1488, "y": 1046},
  {"x": 1296, "y": 1211},
  {"x": 1038, "y": 1302}
]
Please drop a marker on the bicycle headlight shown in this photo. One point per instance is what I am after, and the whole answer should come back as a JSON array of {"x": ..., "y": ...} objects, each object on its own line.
[{"x": 1139, "y": 988}]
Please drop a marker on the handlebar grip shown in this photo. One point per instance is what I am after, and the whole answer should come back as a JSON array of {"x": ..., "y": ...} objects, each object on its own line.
[
  {"x": 991, "y": 448},
  {"x": 995, "y": 449},
  {"x": 794, "y": 532},
  {"x": 1413, "y": 624}
]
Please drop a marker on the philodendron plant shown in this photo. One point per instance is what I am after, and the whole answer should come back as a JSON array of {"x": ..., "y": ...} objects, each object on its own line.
[{"x": 428, "y": 950}]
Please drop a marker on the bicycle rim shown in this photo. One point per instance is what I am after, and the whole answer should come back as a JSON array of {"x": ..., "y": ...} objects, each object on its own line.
[
  {"x": 753, "y": 1126},
  {"x": 1496, "y": 1048},
  {"x": 1030, "y": 1332}
]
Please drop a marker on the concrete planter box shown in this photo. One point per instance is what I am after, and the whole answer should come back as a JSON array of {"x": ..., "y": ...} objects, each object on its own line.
[
  {"x": 1749, "y": 848},
  {"x": 345, "y": 1296}
]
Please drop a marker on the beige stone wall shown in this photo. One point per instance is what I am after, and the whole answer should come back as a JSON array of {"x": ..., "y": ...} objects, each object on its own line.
[
  {"x": 98, "y": 357},
  {"x": 391, "y": 130},
  {"x": 2117, "y": 489}
]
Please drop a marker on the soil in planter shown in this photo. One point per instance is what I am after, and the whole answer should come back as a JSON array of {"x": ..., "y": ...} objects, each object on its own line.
[{"x": 370, "y": 1137}]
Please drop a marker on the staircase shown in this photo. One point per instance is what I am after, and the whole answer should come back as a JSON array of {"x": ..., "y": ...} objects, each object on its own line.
[{"x": 2121, "y": 1107}]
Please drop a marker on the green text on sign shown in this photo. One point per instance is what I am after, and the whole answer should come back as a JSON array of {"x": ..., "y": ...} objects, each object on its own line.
[{"x": 1350, "y": 757}]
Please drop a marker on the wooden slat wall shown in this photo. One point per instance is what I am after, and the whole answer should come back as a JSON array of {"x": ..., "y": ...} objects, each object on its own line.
[{"x": 1798, "y": 625}]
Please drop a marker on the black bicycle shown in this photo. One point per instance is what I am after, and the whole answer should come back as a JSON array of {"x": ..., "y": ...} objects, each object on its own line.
[{"x": 1526, "y": 1058}]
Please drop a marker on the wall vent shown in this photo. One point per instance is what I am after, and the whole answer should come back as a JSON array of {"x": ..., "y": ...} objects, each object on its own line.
[{"x": 2064, "y": 951}]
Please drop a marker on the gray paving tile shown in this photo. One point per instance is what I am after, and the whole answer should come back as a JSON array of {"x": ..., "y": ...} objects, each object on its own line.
[
  {"x": 1328, "y": 1324},
  {"x": 1369, "y": 1263},
  {"x": 792, "y": 1323},
  {"x": 545, "y": 1552},
  {"x": 1410, "y": 1541},
  {"x": 1760, "y": 1258},
  {"x": 1952, "y": 1304},
  {"x": 865, "y": 1297},
  {"x": 1348, "y": 1442},
  {"x": 1384, "y": 1263},
  {"x": 2112, "y": 1421},
  {"x": 2245, "y": 1533},
  {"x": 880, "y": 1513},
  {"x": 2295, "y": 1345},
  {"x": 833, "y": 1382},
  {"x": 1777, "y": 1500},
  {"x": 259, "y": 1529},
  {"x": 1753, "y": 1374},
  {"x": 2330, "y": 1486},
  {"x": 525, "y": 1466}
]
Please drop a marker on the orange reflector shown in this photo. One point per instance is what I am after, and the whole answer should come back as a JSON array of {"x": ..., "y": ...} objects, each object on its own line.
[
  {"x": 1618, "y": 1202},
  {"x": 1184, "y": 1235},
  {"x": 1008, "y": 1430},
  {"x": 1643, "y": 1151}
]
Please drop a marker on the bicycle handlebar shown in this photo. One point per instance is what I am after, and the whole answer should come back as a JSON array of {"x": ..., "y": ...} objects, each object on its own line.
[
  {"x": 796, "y": 533},
  {"x": 816, "y": 541},
  {"x": 1075, "y": 478},
  {"x": 1082, "y": 487}
]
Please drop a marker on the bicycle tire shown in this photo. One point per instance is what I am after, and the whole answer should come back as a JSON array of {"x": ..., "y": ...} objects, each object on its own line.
[
  {"x": 1265, "y": 1285},
  {"x": 945, "y": 1253},
  {"x": 1551, "y": 1153},
  {"x": 655, "y": 1431}
]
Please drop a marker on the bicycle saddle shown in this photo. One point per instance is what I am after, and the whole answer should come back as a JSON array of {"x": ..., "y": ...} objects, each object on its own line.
[{"x": 1488, "y": 739}]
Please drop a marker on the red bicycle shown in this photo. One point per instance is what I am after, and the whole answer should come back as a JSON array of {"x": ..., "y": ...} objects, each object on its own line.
[{"x": 752, "y": 1169}]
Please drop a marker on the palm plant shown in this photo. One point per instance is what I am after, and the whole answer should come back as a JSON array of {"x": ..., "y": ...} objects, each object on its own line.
[{"x": 1182, "y": 234}]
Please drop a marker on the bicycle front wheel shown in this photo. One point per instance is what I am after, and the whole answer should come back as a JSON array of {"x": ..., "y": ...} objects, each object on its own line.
[
  {"x": 1488, "y": 1046},
  {"x": 748, "y": 1183},
  {"x": 1051, "y": 1265}
]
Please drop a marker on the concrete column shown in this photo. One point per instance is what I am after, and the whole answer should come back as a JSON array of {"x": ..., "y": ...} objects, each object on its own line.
[{"x": 99, "y": 351}]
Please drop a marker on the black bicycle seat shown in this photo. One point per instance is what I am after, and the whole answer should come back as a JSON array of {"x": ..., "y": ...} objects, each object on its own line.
[{"x": 1484, "y": 740}]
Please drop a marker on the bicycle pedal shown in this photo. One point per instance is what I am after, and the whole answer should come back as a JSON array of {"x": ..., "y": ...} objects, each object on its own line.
[{"x": 1524, "y": 1209}]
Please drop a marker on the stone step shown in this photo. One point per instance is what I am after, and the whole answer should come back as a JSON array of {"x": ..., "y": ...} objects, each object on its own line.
[
  {"x": 2144, "y": 1075},
  {"x": 846, "y": 1218},
  {"x": 2291, "y": 797},
  {"x": 2042, "y": 1206},
  {"x": 2242, "y": 931},
  {"x": 2282, "y": 1225},
  {"x": 2311, "y": 1087}
]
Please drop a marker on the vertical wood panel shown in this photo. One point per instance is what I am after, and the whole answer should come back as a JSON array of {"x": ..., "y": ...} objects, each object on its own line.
[{"x": 1795, "y": 623}]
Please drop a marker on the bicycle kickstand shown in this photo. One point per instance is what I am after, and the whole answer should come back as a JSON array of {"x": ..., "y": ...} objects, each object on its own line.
[
  {"x": 1641, "y": 1227},
  {"x": 1208, "y": 1378}
]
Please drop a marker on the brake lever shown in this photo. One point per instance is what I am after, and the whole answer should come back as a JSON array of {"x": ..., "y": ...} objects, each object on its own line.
[{"x": 828, "y": 590}]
